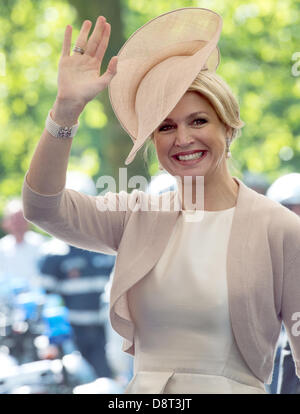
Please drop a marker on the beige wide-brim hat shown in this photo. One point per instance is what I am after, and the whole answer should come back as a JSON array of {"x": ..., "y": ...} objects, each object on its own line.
[{"x": 156, "y": 66}]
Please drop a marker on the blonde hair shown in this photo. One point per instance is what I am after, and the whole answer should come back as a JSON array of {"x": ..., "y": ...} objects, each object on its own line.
[{"x": 222, "y": 99}]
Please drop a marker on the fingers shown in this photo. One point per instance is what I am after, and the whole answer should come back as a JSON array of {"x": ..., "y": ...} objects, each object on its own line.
[
  {"x": 101, "y": 47},
  {"x": 67, "y": 41},
  {"x": 96, "y": 36},
  {"x": 112, "y": 66},
  {"x": 83, "y": 35},
  {"x": 111, "y": 71}
]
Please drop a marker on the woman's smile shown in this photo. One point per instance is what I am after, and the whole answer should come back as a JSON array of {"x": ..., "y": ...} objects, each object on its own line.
[
  {"x": 191, "y": 159},
  {"x": 192, "y": 140}
]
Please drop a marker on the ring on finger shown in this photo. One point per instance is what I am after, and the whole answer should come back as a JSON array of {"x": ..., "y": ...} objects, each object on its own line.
[{"x": 78, "y": 49}]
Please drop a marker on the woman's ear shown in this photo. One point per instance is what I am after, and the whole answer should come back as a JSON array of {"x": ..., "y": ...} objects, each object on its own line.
[{"x": 229, "y": 131}]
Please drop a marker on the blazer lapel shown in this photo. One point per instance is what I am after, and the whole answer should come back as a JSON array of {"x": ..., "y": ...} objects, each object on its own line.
[
  {"x": 239, "y": 272},
  {"x": 140, "y": 259}
]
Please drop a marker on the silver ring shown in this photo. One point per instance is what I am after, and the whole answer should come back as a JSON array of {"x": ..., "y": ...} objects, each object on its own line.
[{"x": 78, "y": 49}]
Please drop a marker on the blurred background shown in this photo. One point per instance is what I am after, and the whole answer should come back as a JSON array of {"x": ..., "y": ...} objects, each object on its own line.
[{"x": 260, "y": 47}]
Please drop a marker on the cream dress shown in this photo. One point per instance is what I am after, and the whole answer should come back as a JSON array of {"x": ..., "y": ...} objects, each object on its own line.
[{"x": 184, "y": 342}]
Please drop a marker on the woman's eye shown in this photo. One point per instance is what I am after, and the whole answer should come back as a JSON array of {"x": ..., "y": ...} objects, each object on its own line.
[{"x": 198, "y": 119}]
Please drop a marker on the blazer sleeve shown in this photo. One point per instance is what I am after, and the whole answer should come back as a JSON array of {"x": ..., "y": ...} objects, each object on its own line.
[
  {"x": 84, "y": 221},
  {"x": 290, "y": 307}
]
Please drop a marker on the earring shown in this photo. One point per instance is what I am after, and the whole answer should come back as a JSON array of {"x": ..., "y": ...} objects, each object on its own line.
[
  {"x": 160, "y": 167},
  {"x": 228, "y": 153}
]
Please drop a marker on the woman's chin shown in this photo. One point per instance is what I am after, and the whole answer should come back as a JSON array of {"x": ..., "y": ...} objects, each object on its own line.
[{"x": 182, "y": 172}]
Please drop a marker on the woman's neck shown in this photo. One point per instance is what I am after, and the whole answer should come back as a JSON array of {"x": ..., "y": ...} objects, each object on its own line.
[{"x": 208, "y": 194}]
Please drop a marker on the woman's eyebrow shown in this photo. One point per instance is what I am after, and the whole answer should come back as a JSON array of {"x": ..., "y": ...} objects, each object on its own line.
[{"x": 189, "y": 116}]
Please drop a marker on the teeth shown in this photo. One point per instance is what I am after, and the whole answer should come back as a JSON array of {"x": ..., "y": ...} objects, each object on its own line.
[{"x": 190, "y": 156}]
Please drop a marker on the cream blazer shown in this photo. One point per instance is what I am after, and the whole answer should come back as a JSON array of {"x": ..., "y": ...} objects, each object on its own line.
[{"x": 263, "y": 262}]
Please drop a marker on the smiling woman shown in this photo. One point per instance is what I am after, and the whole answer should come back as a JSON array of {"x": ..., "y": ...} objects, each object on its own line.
[
  {"x": 194, "y": 140},
  {"x": 221, "y": 98},
  {"x": 199, "y": 303}
]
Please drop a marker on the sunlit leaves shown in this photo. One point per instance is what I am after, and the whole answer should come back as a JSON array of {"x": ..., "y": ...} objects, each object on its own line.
[
  {"x": 94, "y": 115},
  {"x": 257, "y": 43},
  {"x": 29, "y": 41},
  {"x": 88, "y": 163},
  {"x": 257, "y": 62}
]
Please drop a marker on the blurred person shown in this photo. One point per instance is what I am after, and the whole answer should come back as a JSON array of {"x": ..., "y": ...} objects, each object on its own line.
[
  {"x": 286, "y": 191},
  {"x": 21, "y": 295},
  {"x": 199, "y": 305},
  {"x": 20, "y": 248},
  {"x": 79, "y": 277}
]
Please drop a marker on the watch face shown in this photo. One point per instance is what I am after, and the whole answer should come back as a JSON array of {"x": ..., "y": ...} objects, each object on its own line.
[{"x": 64, "y": 132}]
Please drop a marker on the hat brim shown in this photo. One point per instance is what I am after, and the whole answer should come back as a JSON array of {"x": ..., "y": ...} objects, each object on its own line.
[{"x": 157, "y": 65}]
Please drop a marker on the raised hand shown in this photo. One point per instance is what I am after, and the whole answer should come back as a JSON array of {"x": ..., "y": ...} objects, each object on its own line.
[{"x": 79, "y": 79}]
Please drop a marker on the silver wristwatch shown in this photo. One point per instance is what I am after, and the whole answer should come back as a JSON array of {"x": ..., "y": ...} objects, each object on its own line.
[{"x": 59, "y": 131}]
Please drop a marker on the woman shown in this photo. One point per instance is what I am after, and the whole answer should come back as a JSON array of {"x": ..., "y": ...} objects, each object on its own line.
[{"x": 199, "y": 304}]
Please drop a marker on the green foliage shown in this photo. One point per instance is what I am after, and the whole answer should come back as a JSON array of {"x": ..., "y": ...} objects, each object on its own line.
[
  {"x": 30, "y": 37},
  {"x": 257, "y": 43},
  {"x": 31, "y": 34}
]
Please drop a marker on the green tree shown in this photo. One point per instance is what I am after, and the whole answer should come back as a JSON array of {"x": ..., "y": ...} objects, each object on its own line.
[{"x": 257, "y": 44}]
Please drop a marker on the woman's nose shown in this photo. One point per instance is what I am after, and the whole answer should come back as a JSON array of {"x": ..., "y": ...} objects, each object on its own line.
[{"x": 182, "y": 137}]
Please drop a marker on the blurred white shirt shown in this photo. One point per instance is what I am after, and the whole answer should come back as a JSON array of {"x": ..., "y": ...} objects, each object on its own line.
[{"x": 20, "y": 260}]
